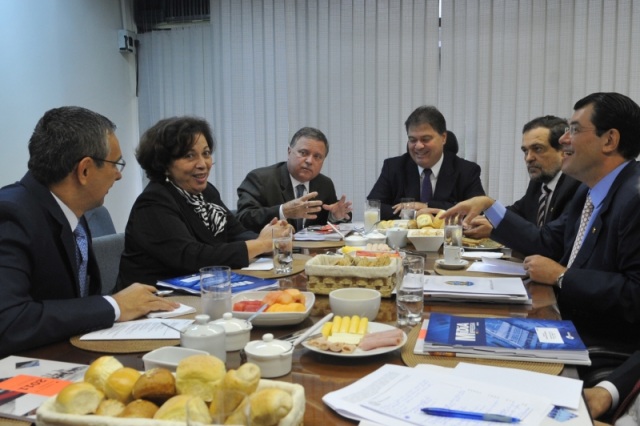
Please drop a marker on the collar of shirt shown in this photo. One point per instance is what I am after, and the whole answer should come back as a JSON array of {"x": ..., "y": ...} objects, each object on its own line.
[
  {"x": 71, "y": 217},
  {"x": 295, "y": 183},
  {"x": 435, "y": 170},
  {"x": 554, "y": 182},
  {"x": 601, "y": 189}
]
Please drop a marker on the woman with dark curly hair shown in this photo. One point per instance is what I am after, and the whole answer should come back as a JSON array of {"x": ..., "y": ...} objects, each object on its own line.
[{"x": 179, "y": 223}]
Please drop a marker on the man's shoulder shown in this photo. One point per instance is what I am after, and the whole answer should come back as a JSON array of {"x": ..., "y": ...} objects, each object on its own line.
[
  {"x": 272, "y": 169},
  {"x": 459, "y": 163}
]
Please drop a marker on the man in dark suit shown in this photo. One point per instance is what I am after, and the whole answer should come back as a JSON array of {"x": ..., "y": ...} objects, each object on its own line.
[
  {"x": 49, "y": 280},
  {"x": 597, "y": 238},
  {"x": 294, "y": 190},
  {"x": 449, "y": 178},
  {"x": 543, "y": 158}
]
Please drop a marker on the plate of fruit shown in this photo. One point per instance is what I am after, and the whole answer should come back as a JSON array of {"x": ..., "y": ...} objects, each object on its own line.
[{"x": 285, "y": 307}]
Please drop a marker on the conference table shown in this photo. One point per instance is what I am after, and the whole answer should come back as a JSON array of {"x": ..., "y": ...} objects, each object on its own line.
[{"x": 320, "y": 373}]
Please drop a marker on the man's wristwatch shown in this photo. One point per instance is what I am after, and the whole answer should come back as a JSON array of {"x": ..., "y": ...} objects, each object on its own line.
[{"x": 559, "y": 280}]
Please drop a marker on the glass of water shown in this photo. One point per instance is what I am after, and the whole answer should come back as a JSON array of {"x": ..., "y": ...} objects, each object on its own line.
[
  {"x": 215, "y": 290},
  {"x": 410, "y": 291},
  {"x": 408, "y": 211},
  {"x": 282, "y": 249}
]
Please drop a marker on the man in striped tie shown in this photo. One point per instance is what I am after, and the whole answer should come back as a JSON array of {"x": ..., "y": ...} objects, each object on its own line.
[
  {"x": 597, "y": 239},
  {"x": 549, "y": 190}
]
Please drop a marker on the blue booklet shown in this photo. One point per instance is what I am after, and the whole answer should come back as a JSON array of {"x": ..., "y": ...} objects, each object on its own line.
[
  {"x": 239, "y": 283},
  {"x": 523, "y": 339}
]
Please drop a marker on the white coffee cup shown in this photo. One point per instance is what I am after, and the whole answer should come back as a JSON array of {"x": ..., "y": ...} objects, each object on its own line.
[{"x": 452, "y": 255}]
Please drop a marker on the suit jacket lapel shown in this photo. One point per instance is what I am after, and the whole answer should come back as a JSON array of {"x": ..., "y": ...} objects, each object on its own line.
[
  {"x": 412, "y": 184},
  {"x": 446, "y": 178},
  {"x": 286, "y": 188}
]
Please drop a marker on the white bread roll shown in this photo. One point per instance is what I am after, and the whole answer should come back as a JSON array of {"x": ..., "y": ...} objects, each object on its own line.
[
  {"x": 110, "y": 408},
  {"x": 120, "y": 384},
  {"x": 139, "y": 408},
  {"x": 267, "y": 407},
  {"x": 200, "y": 375},
  {"x": 438, "y": 222},
  {"x": 176, "y": 409},
  {"x": 236, "y": 386},
  {"x": 424, "y": 220},
  {"x": 100, "y": 370},
  {"x": 156, "y": 385},
  {"x": 79, "y": 398}
]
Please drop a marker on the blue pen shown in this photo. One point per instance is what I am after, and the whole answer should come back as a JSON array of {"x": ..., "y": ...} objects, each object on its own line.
[{"x": 444, "y": 412}]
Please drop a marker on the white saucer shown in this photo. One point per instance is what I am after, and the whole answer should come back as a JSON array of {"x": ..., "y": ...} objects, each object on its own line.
[{"x": 463, "y": 264}]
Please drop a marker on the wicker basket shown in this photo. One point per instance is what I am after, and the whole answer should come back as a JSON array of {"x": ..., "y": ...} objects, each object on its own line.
[{"x": 324, "y": 276}]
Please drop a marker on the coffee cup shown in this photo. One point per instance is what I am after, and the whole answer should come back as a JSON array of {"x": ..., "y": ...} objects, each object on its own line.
[{"x": 452, "y": 255}]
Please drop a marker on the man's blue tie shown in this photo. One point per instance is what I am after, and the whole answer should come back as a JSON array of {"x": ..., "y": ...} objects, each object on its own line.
[
  {"x": 427, "y": 191},
  {"x": 82, "y": 257}
]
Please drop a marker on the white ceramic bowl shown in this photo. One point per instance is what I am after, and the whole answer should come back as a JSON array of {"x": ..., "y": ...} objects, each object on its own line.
[
  {"x": 238, "y": 331},
  {"x": 168, "y": 357},
  {"x": 397, "y": 237},
  {"x": 355, "y": 241},
  {"x": 364, "y": 302},
  {"x": 425, "y": 242},
  {"x": 376, "y": 238},
  {"x": 274, "y": 357}
]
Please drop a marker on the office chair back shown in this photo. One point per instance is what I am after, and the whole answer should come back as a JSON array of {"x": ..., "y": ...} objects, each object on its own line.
[
  {"x": 108, "y": 250},
  {"x": 100, "y": 222}
]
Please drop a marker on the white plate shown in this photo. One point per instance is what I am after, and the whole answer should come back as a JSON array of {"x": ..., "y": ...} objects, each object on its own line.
[
  {"x": 463, "y": 264},
  {"x": 273, "y": 318},
  {"x": 481, "y": 254},
  {"x": 374, "y": 327}
]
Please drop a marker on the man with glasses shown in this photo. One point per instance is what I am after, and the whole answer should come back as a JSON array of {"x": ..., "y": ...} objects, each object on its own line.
[
  {"x": 294, "y": 190},
  {"x": 597, "y": 239},
  {"x": 433, "y": 176},
  {"x": 50, "y": 286},
  {"x": 549, "y": 190}
]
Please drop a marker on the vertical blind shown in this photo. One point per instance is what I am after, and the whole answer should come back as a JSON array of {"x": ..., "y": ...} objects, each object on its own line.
[{"x": 262, "y": 69}]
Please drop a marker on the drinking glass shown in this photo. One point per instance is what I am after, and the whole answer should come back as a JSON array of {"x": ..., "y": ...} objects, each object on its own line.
[
  {"x": 408, "y": 211},
  {"x": 282, "y": 249},
  {"x": 371, "y": 214},
  {"x": 215, "y": 290},
  {"x": 410, "y": 291},
  {"x": 453, "y": 235}
]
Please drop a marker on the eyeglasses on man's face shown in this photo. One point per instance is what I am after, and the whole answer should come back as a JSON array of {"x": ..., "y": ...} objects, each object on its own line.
[
  {"x": 576, "y": 128},
  {"x": 119, "y": 164}
]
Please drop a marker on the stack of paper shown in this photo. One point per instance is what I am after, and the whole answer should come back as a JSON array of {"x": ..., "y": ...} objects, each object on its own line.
[
  {"x": 323, "y": 233},
  {"x": 476, "y": 289},
  {"x": 519, "y": 339},
  {"x": 498, "y": 266},
  {"x": 396, "y": 395}
]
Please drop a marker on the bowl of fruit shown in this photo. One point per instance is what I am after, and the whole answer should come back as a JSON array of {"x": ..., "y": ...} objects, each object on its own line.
[{"x": 286, "y": 307}]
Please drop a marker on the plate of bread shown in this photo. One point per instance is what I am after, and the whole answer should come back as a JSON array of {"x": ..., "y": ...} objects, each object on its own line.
[{"x": 200, "y": 391}]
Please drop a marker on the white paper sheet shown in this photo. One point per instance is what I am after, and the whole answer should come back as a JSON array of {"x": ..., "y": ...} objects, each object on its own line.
[
  {"x": 394, "y": 395},
  {"x": 497, "y": 266},
  {"x": 180, "y": 310},
  {"x": 144, "y": 329},
  {"x": 261, "y": 264}
]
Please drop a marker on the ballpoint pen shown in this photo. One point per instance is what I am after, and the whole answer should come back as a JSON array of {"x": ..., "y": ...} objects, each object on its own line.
[{"x": 444, "y": 412}]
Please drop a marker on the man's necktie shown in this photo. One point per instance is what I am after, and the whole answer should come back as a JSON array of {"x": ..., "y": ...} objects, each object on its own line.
[
  {"x": 299, "y": 193},
  {"x": 542, "y": 205},
  {"x": 82, "y": 256},
  {"x": 427, "y": 191},
  {"x": 584, "y": 220}
]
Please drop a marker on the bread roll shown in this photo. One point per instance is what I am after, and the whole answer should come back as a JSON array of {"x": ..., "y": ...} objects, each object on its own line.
[
  {"x": 424, "y": 220},
  {"x": 79, "y": 398},
  {"x": 200, "y": 375},
  {"x": 110, "y": 408},
  {"x": 139, "y": 408},
  {"x": 267, "y": 407},
  {"x": 236, "y": 385},
  {"x": 100, "y": 370},
  {"x": 176, "y": 409},
  {"x": 156, "y": 385},
  {"x": 120, "y": 384},
  {"x": 438, "y": 222}
]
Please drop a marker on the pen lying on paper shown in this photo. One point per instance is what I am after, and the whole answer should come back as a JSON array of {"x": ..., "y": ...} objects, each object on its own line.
[{"x": 444, "y": 412}]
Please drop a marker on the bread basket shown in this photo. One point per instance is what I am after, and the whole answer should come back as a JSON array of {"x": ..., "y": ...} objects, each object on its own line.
[
  {"x": 324, "y": 276},
  {"x": 48, "y": 416}
]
